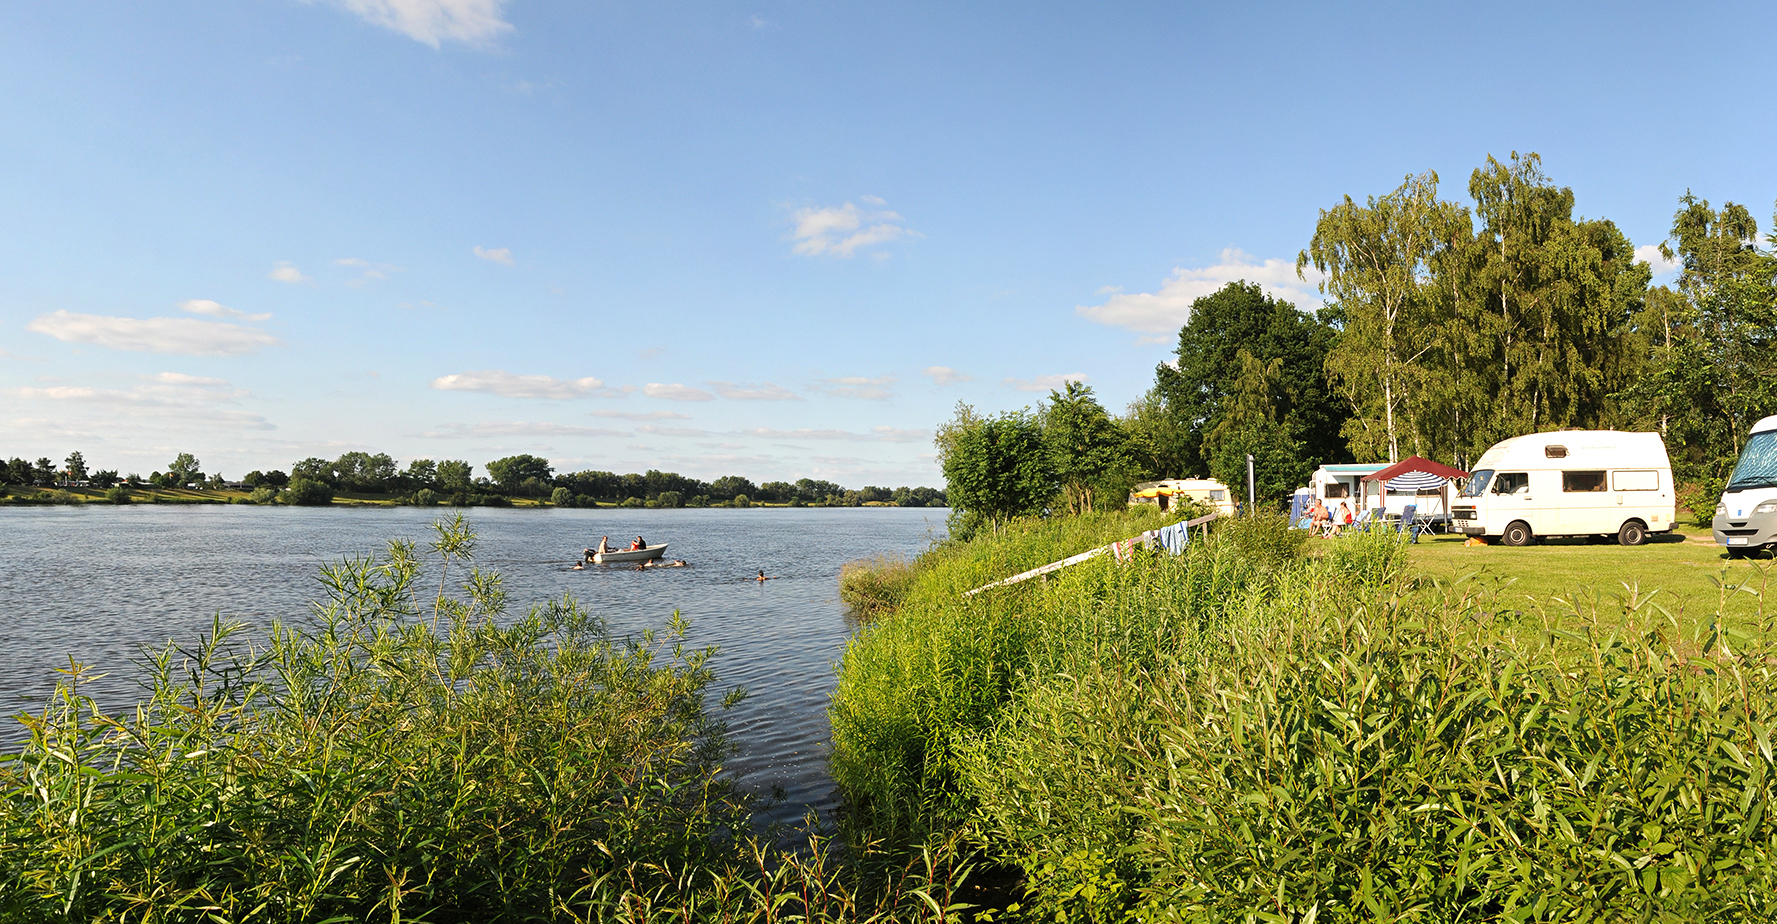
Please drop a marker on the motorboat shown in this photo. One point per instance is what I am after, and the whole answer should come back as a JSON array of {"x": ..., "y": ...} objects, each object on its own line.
[{"x": 646, "y": 553}]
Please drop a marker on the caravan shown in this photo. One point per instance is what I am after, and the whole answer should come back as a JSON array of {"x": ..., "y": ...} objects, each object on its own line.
[
  {"x": 1746, "y": 518},
  {"x": 1570, "y": 483}
]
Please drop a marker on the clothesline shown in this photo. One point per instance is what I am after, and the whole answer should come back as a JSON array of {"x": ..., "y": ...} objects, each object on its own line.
[{"x": 1182, "y": 536}]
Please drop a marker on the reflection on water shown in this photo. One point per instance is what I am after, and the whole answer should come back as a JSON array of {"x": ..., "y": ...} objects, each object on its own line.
[{"x": 96, "y": 583}]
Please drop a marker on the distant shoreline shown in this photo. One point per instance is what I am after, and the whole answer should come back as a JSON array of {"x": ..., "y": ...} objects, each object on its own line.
[{"x": 190, "y": 497}]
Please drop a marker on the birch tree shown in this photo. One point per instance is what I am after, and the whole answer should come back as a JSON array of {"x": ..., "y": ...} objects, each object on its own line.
[{"x": 1376, "y": 258}]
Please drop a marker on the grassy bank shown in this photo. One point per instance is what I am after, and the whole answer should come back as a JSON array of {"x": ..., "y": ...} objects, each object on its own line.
[
  {"x": 1263, "y": 729},
  {"x": 411, "y": 754}
]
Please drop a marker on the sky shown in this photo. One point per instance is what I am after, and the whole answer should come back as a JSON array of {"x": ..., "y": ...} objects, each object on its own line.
[{"x": 774, "y": 239}]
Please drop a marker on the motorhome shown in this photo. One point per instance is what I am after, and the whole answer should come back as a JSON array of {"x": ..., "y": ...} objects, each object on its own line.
[
  {"x": 1746, "y": 518},
  {"x": 1569, "y": 483},
  {"x": 1206, "y": 491}
]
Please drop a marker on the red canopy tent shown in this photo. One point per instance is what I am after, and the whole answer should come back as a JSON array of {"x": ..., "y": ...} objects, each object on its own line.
[{"x": 1409, "y": 466}]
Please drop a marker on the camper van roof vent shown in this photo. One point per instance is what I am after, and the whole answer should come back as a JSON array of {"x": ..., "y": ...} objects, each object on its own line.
[{"x": 1555, "y": 452}]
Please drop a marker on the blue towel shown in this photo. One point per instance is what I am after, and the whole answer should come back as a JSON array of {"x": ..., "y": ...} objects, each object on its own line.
[{"x": 1174, "y": 538}]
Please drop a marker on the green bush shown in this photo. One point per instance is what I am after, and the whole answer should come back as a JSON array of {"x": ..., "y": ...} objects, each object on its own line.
[
  {"x": 117, "y": 494},
  {"x": 633, "y": 502},
  {"x": 264, "y": 494},
  {"x": 307, "y": 492},
  {"x": 875, "y": 585},
  {"x": 562, "y": 497},
  {"x": 425, "y": 497}
]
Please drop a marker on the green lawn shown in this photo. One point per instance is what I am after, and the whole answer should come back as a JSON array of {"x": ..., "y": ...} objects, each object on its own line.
[{"x": 1684, "y": 572}]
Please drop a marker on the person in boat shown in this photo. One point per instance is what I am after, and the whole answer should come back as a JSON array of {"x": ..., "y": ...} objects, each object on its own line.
[
  {"x": 604, "y": 546},
  {"x": 637, "y": 545}
]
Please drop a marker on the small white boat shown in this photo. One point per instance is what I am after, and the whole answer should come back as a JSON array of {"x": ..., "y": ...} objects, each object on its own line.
[{"x": 646, "y": 553}]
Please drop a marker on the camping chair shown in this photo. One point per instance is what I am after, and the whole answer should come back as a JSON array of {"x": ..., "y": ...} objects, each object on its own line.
[
  {"x": 1364, "y": 520},
  {"x": 1407, "y": 523}
]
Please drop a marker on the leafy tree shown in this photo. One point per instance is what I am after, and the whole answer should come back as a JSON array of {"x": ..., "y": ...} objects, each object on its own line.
[
  {"x": 730, "y": 486},
  {"x": 668, "y": 499},
  {"x": 105, "y": 478},
  {"x": 1250, "y": 425},
  {"x": 44, "y": 474},
  {"x": 421, "y": 473},
  {"x": 313, "y": 469},
  {"x": 276, "y": 478},
  {"x": 454, "y": 476},
  {"x": 994, "y": 468},
  {"x": 185, "y": 470},
  {"x": 777, "y": 491},
  {"x": 363, "y": 472},
  {"x": 562, "y": 497},
  {"x": 19, "y": 472},
  {"x": 1376, "y": 258},
  {"x": 76, "y": 466},
  {"x": 811, "y": 491},
  {"x": 511, "y": 472},
  {"x": 308, "y": 492},
  {"x": 1088, "y": 452},
  {"x": 1175, "y": 419}
]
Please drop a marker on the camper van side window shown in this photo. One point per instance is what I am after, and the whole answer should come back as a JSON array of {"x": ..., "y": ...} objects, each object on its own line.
[
  {"x": 1511, "y": 482},
  {"x": 1338, "y": 489},
  {"x": 1555, "y": 452},
  {"x": 1586, "y": 482},
  {"x": 1635, "y": 481}
]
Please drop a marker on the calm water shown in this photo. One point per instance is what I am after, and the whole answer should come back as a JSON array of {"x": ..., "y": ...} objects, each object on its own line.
[{"x": 97, "y": 582}]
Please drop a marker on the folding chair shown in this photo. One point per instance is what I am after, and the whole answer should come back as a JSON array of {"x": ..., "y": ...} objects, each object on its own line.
[{"x": 1407, "y": 524}]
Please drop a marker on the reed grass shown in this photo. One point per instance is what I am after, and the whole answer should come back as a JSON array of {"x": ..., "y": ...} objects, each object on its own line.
[{"x": 417, "y": 754}]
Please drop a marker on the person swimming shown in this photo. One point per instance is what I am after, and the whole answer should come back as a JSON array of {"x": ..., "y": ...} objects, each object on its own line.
[{"x": 762, "y": 576}]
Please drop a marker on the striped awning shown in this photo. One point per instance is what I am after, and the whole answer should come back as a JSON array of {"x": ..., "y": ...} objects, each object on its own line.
[{"x": 1416, "y": 481}]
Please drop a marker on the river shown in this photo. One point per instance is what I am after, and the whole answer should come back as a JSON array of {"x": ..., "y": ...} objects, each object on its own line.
[{"x": 96, "y": 583}]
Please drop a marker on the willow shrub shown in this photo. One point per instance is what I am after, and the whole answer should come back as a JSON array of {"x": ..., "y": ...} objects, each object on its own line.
[
  {"x": 398, "y": 758},
  {"x": 1342, "y": 752},
  {"x": 942, "y": 668}
]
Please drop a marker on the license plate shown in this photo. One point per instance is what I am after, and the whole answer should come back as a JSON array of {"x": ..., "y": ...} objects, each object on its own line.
[
  {"x": 1462, "y": 524},
  {"x": 1736, "y": 540}
]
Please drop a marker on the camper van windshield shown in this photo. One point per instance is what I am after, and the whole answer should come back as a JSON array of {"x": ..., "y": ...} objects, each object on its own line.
[
  {"x": 1477, "y": 483},
  {"x": 1757, "y": 467}
]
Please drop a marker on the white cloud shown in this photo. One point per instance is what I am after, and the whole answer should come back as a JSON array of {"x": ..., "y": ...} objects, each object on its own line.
[
  {"x": 633, "y": 415},
  {"x": 1045, "y": 382},
  {"x": 372, "y": 271},
  {"x": 286, "y": 271},
  {"x": 944, "y": 375},
  {"x": 845, "y": 230},
  {"x": 857, "y": 386},
  {"x": 154, "y": 335},
  {"x": 195, "y": 381},
  {"x": 676, "y": 392},
  {"x": 653, "y": 430},
  {"x": 1650, "y": 254},
  {"x": 764, "y": 391},
  {"x": 474, "y": 22},
  {"x": 500, "y": 255},
  {"x": 518, "y": 428},
  {"x": 216, "y": 310},
  {"x": 876, "y": 435},
  {"x": 169, "y": 398},
  {"x": 508, "y": 385},
  {"x": 1165, "y": 311}
]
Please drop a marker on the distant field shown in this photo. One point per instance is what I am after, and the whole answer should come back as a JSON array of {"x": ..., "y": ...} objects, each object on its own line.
[{"x": 1682, "y": 571}]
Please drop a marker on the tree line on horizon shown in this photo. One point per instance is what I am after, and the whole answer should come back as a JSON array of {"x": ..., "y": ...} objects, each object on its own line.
[
  {"x": 425, "y": 481},
  {"x": 1447, "y": 327}
]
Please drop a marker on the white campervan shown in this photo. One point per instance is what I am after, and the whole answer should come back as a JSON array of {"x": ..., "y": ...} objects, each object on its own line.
[
  {"x": 1570, "y": 483},
  {"x": 1746, "y": 519}
]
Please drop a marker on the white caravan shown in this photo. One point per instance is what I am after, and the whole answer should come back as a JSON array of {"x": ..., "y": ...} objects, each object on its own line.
[
  {"x": 1570, "y": 483},
  {"x": 1746, "y": 519}
]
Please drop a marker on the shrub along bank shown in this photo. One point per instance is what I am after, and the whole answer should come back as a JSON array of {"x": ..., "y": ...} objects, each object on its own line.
[
  {"x": 1247, "y": 732},
  {"x": 399, "y": 758}
]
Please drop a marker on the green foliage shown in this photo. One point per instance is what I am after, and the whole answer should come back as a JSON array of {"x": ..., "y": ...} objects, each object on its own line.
[
  {"x": 994, "y": 468},
  {"x": 512, "y": 472},
  {"x": 264, "y": 494},
  {"x": 425, "y": 497},
  {"x": 118, "y": 494},
  {"x": 562, "y": 497},
  {"x": 875, "y": 585},
  {"x": 1088, "y": 452},
  {"x": 304, "y": 492}
]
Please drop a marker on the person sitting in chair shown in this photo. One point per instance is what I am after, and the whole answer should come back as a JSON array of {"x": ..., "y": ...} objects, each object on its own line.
[{"x": 637, "y": 545}]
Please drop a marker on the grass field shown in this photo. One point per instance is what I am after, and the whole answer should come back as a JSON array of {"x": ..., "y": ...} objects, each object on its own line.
[{"x": 1684, "y": 571}]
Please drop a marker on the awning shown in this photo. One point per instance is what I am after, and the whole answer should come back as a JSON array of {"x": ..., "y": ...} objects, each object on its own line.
[{"x": 1414, "y": 473}]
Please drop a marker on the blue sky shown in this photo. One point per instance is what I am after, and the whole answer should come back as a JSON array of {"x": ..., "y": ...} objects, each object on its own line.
[{"x": 773, "y": 239}]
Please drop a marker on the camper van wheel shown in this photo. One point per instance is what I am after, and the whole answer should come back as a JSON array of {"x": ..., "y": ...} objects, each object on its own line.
[
  {"x": 1632, "y": 533},
  {"x": 1518, "y": 533}
]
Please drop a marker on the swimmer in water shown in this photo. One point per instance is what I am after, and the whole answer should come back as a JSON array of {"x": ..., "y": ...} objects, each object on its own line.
[{"x": 762, "y": 576}]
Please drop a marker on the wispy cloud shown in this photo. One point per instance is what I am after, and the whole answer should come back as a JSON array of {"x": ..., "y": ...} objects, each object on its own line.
[
  {"x": 857, "y": 386},
  {"x": 500, "y": 255},
  {"x": 763, "y": 391},
  {"x": 653, "y": 430},
  {"x": 1045, "y": 382},
  {"x": 473, "y": 22},
  {"x": 1165, "y": 311},
  {"x": 509, "y": 385},
  {"x": 217, "y": 310},
  {"x": 370, "y": 271},
  {"x": 517, "y": 428},
  {"x": 154, "y": 335},
  {"x": 875, "y": 435},
  {"x": 1650, "y": 254},
  {"x": 846, "y": 229},
  {"x": 168, "y": 398},
  {"x": 676, "y": 392},
  {"x": 637, "y": 415},
  {"x": 944, "y": 375},
  {"x": 286, "y": 272}
]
